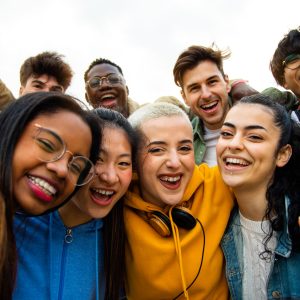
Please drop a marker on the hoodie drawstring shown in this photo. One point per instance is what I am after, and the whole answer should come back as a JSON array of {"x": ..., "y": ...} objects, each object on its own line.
[{"x": 175, "y": 234}]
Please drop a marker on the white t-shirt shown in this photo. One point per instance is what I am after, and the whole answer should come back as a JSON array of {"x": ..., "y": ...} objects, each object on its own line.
[
  {"x": 211, "y": 138},
  {"x": 256, "y": 269}
]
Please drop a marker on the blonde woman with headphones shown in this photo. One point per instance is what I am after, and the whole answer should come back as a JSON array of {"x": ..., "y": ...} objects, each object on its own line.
[{"x": 175, "y": 214}]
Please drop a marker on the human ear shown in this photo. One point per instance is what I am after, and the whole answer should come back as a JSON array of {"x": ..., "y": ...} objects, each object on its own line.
[
  {"x": 183, "y": 96},
  {"x": 21, "y": 90},
  {"x": 284, "y": 155}
]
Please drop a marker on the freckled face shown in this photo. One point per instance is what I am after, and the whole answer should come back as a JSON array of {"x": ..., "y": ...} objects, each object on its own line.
[
  {"x": 166, "y": 160},
  {"x": 37, "y": 185}
]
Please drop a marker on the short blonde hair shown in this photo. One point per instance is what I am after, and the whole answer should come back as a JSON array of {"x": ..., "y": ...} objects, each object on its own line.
[{"x": 154, "y": 111}]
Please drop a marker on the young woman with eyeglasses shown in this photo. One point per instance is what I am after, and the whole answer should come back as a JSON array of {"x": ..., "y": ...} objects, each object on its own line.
[
  {"x": 80, "y": 248},
  {"x": 258, "y": 155},
  {"x": 46, "y": 148}
]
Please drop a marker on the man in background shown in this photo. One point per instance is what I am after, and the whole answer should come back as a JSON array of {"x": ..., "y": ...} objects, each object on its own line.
[
  {"x": 105, "y": 86},
  {"x": 46, "y": 71},
  {"x": 206, "y": 89}
]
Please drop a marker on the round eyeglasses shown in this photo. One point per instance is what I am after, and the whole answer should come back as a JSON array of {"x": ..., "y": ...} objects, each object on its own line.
[
  {"x": 51, "y": 148},
  {"x": 111, "y": 79}
]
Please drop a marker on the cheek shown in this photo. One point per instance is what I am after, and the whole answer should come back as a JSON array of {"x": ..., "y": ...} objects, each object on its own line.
[
  {"x": 221, "y": 146},
  {"x": 125, "y": 179}
]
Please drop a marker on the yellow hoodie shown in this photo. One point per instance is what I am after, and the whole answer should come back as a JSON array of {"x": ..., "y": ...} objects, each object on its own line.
[{"x": 152, "y": 262}]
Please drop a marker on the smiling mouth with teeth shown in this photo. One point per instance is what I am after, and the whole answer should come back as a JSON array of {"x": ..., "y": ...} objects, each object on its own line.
[
  {"x": 170, "y": 179},
  {"x": 44, "y": 185},
  {"x": 209, "y": 106},
  {"x": 236, "y": 162}
]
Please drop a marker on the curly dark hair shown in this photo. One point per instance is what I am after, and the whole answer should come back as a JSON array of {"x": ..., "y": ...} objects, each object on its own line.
[{"x": 290, "y": 44}]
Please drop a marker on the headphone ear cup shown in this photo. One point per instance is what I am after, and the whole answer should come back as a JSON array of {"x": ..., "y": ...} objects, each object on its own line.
[
  {"x": 183, "y": 218},
  {"x": 161, "y": 223}
]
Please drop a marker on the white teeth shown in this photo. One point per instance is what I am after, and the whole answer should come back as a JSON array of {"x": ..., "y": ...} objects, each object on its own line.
[
  {"x": 104, "y": 192},
  {"x": 209, "y": 105},
  {"x": 236, "y": 161},
  {"x": 170, "y": 179},
  {"x": 47, "y": 188},
  {"x": 107, "y": 96}
]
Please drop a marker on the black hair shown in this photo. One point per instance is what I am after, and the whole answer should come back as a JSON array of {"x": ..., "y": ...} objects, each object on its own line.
[
  {"x": 13, "y": 121},
  {"x": 100, "y": 61},
  {"x": 114, "y": 228},
  {"x": 286, "y": 179}
]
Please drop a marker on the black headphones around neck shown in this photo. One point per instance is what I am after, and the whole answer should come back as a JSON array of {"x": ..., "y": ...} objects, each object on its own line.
[{"x": 161, "y": 223}]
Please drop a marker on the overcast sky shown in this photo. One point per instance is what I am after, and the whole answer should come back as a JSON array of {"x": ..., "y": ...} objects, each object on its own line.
[{"x": 144, "y": 37}]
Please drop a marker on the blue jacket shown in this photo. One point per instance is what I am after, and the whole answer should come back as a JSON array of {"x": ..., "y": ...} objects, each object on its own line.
[
  {"x": 55, "y": 262},
  {"x": 284, "y": 278}
]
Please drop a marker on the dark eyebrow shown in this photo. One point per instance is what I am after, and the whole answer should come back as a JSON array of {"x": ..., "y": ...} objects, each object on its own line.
[
  {"x": 126, "y": 154},
  {"x": 97, "y": 76},
  {"x": 247, "y": 127},
  {"x": 156, "y": 143},
  {"x": 207, "y": 79},
  {"x": 38, "y": 81}
]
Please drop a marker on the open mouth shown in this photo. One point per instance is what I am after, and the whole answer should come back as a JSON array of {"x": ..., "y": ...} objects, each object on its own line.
[
  {"x": 41, "y": 188},
  {"x": 101, "y": 196},
  {"x": 170, "y": 182},
  {"x": 236, "y": 162},
  {"x": 209, "y": 106}
]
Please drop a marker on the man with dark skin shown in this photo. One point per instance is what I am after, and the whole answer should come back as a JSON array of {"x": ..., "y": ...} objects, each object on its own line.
[{"x": 105, "y": 86}]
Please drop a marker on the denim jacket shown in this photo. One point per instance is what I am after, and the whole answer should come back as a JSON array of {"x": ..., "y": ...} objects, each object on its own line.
[{"x": 284, "y": 278}]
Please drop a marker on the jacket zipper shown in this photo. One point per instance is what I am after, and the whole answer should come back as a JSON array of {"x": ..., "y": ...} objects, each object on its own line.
[{"x": 67, "y": 240}]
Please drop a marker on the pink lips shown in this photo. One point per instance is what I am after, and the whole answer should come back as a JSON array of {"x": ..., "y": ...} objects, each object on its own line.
[{"x": 39, "y": 193}]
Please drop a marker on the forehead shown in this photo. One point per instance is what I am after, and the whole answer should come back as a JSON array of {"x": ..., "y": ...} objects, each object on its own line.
[
  {"x": 45, "y": 78},
  {"x": 102, "y": 70},
  {"x": 169, "y": 129},
  {"x": 247, "y": 114},
  {"x": 69, "y": 126},
  {"x": 114, "y": 135},
  {"x": 205, "y": 69}
]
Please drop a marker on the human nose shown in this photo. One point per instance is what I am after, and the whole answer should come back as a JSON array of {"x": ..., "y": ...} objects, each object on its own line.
[
  {"x": 205, "y": 93},
  {"x": 104, "y": 82},
  {"x": 173, "y": 160},
  {"x": 107, "y": 173},
  {"x": 61, "y": 166},
  {"x": 236, "y": 143}
]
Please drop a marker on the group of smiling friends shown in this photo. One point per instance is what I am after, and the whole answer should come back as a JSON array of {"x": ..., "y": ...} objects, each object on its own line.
[{"x": 169, "y": 200}]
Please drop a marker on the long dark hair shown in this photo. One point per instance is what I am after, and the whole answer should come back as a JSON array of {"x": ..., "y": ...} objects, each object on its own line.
[
  {"x": 114, "y": 229},
  {"x": 286, "y": 180},
  {"x": 13, "y": 121}
]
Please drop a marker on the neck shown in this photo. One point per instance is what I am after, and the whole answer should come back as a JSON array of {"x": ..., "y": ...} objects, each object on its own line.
[
  {"x": 252, "y": 203},
  {"x": 72, "y": 216}
]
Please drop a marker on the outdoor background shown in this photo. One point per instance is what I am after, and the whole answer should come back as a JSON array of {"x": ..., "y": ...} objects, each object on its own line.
[{"x": 144, "y": 37}]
